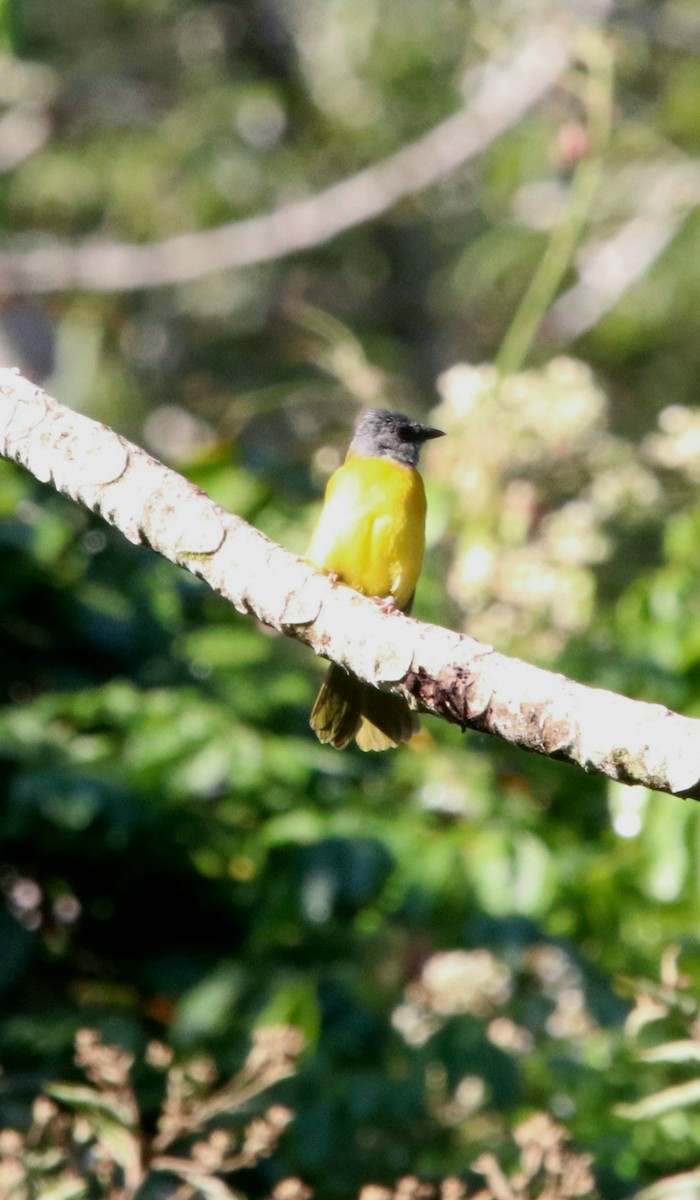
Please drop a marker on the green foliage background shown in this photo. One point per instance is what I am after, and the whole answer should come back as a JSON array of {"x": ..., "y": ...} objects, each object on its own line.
[{"x": 178, "y": 857}]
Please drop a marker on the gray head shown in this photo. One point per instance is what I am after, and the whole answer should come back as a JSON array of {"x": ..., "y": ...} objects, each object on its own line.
[{"x": 382, "y": 434}]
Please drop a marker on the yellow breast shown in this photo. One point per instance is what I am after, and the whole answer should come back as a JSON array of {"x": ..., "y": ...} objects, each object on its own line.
[{"x": 371, "y": 532}]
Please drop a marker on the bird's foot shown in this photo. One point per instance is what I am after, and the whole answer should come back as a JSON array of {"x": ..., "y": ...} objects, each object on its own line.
[
  {"x": 386, "y": 604},
  {"x": 332, "y": 576}
]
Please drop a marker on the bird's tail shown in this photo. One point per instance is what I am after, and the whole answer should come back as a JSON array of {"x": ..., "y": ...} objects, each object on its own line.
[{"x": 347, "y": 708}]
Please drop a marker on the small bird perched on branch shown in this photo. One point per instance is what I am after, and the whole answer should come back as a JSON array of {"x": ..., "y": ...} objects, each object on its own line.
[{"x": 371, "y": 536}]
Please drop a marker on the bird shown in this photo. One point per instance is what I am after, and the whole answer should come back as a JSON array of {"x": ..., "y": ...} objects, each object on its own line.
[{"x": 370, "y": 535}]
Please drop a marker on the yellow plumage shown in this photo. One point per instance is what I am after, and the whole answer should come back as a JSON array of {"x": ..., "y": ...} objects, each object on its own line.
[
  {"x": 371, "y": 535},
  {"x": 371, "y": 532}
]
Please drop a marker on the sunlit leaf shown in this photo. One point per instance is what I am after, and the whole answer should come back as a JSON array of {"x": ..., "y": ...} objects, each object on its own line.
[
  {"x": 682, "y": 1095},
  {"x": 91, "y": 1101},
  {"x": 684, "y": 1051}
]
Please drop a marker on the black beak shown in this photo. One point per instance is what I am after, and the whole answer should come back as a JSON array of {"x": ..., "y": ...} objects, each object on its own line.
[{"x": 426, "y": 433}]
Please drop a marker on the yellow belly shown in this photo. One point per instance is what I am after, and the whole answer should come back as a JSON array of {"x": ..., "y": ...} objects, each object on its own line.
[{"x": 371, "y": 532}]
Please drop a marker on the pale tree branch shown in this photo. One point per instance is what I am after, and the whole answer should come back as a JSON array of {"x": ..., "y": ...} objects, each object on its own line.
[
  {"x": 505, "y": 90},
  {"x": 22, "y": 132},
  {"x": 663, "y": 196},
  {"x": 28, "y": 89},
  {"x": 442, "y": 672},
  {"x": 609, "y": 269}
]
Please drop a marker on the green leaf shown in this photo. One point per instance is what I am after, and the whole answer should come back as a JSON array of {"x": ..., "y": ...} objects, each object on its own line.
[
  {"x": 120, "y": 1143},
  {"x": 683, "y": 1095},
  {"x": 90, "y": 1101},
  {"x": 65, "y": 1188},
  {"x": 205, "y": 1010},
  {"x": 295, "y": 1003},
  {"x": 208, "y": 1186},
  {"x": 686, "y": 1050},
  {"x": 673, "y": 1187}
]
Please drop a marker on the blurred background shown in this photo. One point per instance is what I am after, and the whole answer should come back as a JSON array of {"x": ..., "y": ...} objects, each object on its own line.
[{"x": 226, "y": 229}]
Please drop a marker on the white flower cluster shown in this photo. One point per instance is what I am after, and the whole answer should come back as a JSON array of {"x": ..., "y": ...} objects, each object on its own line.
[
  {"x": 536, "y": 480},
  {"x": 452, "y": 983}
]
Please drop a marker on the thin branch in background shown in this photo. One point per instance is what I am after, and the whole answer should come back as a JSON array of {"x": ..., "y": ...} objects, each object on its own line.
[
  {"x": 664, "y": 195},
  {"x": 597, "y": 55},
  {"x": 609, "y": 269},
  {"x": 28, "y": 90},
  {"x": 504, "y": 93},
  {"x": 23, "y": 131},
  {"x": 440, "y": 671}
]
